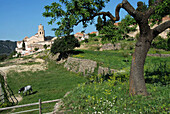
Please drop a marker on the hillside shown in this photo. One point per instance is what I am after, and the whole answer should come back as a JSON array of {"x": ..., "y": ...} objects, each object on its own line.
[{"x": 6, "y": 47}]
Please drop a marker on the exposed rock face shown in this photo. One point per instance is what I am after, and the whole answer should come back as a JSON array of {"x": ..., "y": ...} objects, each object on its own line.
[
  {"x": 110, "y": 46},
  {"x": 84, "y": 66}
]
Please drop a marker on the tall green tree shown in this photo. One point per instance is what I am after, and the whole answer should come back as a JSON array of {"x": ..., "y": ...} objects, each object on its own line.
[
  {"x": 77, "y": 11},
  {"x": 99, "y": 24}
]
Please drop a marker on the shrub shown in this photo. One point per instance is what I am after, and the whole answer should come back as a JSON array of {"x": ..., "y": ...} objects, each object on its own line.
[
  {"x": 92, "y": 35},
  {"x": 63, "y": 45},
  {"x": 45, "y": 46},
  {"x": 19, "y": 55},
  {"x": 168, "y": 42},
  {"x": 160, "y": 43},
  {"x": 96, "y": 39},
  {"x": 36, "y": 49},
  {"x": 3, "y": 57},
  {"x": 86, "y": 41}
]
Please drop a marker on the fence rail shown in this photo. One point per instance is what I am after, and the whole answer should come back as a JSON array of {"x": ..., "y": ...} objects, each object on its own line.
[{"x": 32, "y": 104}]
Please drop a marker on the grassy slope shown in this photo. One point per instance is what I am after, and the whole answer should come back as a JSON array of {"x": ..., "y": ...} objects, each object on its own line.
[
  {"x": 114, "y": 59},
  {"x": 112, "y": 97},
  {"x": 50, "y": 84}
]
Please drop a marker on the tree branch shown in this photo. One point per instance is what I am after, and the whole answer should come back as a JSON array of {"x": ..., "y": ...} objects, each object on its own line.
[
  {"x": 119, "y": 6},
  {"x": 152, "y": 8},
  {"x": 129, "y": 8},
  {"x": 160, "y": 28}
]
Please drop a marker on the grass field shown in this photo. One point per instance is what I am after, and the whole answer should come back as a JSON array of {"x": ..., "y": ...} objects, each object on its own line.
[
  {"x": 112, "y": 97},
  {"x": 115, "y": 59},
  {"x": 54, "y": 82},
  {"x": 51, "y": 84}
]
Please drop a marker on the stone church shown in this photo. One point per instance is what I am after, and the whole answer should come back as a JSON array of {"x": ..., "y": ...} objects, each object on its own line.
[{"x": 36, "y": 41}]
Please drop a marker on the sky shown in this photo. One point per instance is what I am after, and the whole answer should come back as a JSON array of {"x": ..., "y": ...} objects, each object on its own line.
[{"x": 20, "y": 18}]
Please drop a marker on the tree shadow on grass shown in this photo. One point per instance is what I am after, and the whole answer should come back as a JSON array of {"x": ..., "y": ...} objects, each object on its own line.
[
  {"x": 159, "y": 73},
  {"x": 75, "y": 52},
  {"x": 65, "y": 55}
]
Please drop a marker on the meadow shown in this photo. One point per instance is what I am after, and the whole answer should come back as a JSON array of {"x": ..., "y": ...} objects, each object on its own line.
[
  {"x": 50, "y": 84},
  {"x": 103, "y": 95}
]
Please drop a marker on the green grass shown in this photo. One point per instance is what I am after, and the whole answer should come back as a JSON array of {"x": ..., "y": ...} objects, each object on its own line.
[
  {"x": 113, "y": 97},
  {"x": 115, "y": 59},
  {"x": 50, "y": 84},
  {"x": 112, "y": 59}
]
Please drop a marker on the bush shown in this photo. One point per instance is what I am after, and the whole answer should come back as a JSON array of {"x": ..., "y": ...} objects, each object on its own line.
[
  {"x": 36, "y": 49},
  {"x": 96, "y": 39},
  {"x": 160, "y": 43},
  {"x": 45, "y": 46},
  {"x": 86, "y": 41},
  {"x": 168, "y": 44},
  {"x": 92, "y": 35},
  {"x": 19, "y": 55},
  {"x": 63, "y": 45},
  {"x": 3, "y": 57}
]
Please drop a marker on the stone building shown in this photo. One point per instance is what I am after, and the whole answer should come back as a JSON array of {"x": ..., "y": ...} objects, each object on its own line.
[{"x": 36, "y": 41}]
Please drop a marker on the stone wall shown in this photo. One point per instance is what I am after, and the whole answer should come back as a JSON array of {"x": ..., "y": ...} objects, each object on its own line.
[
  {"x": 86, "y": 66},
  {"x": 159, "y": 55},
  {"x": 111, "y": 46},
  {"x": 105, "y": 70}
]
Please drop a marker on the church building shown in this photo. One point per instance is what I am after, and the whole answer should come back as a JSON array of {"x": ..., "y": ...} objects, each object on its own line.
[{"x": 36, "y": 41}]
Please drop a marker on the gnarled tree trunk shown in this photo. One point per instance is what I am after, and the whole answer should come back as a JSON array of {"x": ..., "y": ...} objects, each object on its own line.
[{"x": 136, "y": 80}]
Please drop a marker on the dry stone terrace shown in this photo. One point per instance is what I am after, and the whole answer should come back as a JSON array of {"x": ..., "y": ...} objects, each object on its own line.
[{"x": 86, "y": 66}]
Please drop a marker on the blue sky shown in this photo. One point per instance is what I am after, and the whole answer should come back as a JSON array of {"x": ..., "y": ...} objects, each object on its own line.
[{"x": 20, "y": 18}]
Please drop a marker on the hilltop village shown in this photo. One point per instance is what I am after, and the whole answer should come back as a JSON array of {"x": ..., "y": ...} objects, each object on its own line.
[{"x": 39, "y": 40}]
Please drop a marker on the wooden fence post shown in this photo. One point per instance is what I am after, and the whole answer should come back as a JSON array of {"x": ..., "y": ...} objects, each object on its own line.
[{"x": 40, "y": 106}]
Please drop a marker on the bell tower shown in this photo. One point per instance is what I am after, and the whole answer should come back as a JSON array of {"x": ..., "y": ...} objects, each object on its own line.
[{"x": 41, "y": 32}]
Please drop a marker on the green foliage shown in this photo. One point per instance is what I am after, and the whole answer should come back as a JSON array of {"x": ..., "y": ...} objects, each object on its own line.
[
  {"x": 45, "y": 46},
  {"x": 92, "y": 35},
  {"x": 142, "y": 7},
  {"x": 3, "y": 57},
  {"x": 36, "y": 49},
  {"x": 19, "y": 55},
  {"x": 76, "y": 11},
  {"x": 168, "y": 41},
  {"x": 112, "y": 96},
  {"x": 62, "y": 45},
  {"x": 114, "y": 33},
  {"x": 158, "y": 73},
  {"x": 160, "y": 43},
  {"x": 99, "y": 24},
  {"x": 162, "y": 10},
  {"x": 53, "y": 83}
]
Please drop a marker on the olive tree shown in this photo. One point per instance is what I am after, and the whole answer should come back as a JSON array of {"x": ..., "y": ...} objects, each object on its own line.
[{"x": 77, "y": 11}]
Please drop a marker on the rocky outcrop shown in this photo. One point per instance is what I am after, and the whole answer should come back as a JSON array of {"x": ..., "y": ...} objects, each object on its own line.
[{"x": 84, "y": 66}]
